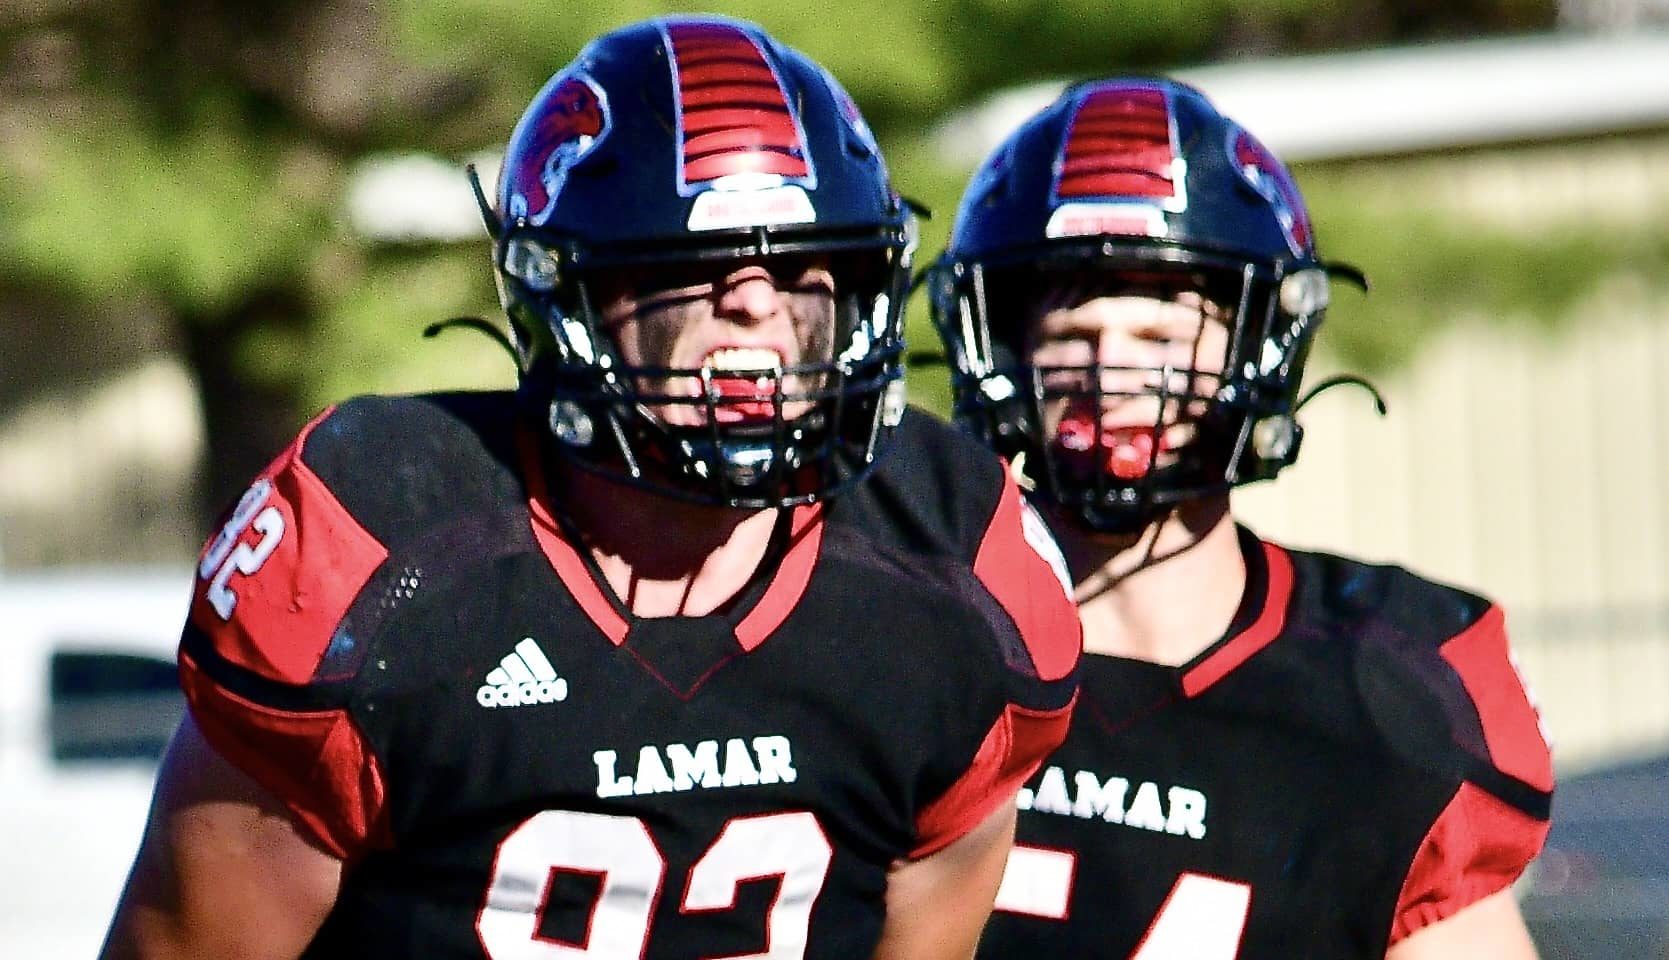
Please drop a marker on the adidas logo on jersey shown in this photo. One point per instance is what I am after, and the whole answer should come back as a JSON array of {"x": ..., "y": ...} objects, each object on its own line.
[{"x": 522, "y": 678}]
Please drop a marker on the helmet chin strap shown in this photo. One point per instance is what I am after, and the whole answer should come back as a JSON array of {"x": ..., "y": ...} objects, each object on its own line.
[{"x": 1123, "y": 520}]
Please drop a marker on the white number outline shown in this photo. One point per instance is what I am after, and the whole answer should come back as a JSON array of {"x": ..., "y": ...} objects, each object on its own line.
[
  {"x": 226, "y": 555},
  {"x": 1203, "y": 917},
  {"x": 713, "y": 884},
  {"x": 622, "y": 851}
]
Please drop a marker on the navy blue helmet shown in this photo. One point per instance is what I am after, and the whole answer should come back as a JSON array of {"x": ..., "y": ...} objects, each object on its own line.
[
  {"x": 666, "y": 148},
  {"x": 1132, "y": 183}
]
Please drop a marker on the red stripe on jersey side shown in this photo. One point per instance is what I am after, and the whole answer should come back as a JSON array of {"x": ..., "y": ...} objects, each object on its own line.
[
  {"x": 317, "y": 763},
  {"x": 1119, "y": 144},
  {"x": 1477, "y": 846},
  {"x": 792, "y": 577},
  {"x": 570, "y": 567},
  {"x": 1260, "y": 634},
  {"x": 1511, "y": 729},
  {"x": 1012, "y": 750},
  {"x": 1026, "y": 587},
  {"x": 291, "y": 583},
  {"x": 733, "y": 112}
]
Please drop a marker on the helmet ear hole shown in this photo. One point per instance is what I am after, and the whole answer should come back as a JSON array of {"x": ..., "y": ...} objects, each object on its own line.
[
  {"x": 532, "y": 263},
  {"x": 1306, "y": 292}
]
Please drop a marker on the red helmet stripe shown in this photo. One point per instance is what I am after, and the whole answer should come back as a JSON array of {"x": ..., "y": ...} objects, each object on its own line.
[
  {"x": 737, "y": 137},
  {"x": 1119, "y": 145},
  {"x": 777, "y": 127},
  {"x": 724, "y": 70},
  {"x": 1114, "y": 185},
  {"x": 734, "y": 114},
  {"x": 742, "y": 161},
  {"x": 1093, "y": 163},
  {"x": 756, "y": 95},
  {"x": 1139, "y": 128}
]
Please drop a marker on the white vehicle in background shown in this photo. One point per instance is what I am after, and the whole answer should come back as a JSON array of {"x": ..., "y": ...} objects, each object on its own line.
[{"x": 88, "y": 699}]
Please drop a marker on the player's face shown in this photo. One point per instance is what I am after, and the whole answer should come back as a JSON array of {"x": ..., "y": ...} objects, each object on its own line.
[
  {"x": 1160, "y": 345},
  {"x": 736, "y": 327}
]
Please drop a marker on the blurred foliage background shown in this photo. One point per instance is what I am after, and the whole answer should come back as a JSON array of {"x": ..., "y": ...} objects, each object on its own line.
[
  {"x": 175, "y": 223},
  {"x": 172, "y": 173}
]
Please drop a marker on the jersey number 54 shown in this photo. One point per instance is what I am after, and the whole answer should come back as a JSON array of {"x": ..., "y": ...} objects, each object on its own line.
[{"x": 1202, "y": 917}]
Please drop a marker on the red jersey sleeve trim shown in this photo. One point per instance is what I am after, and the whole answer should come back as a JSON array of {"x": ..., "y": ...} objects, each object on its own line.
[
  {"x": 1026, "y": 586},
  {"x": 317, "y": 763},
  {"x": 1012, "y": 750},
  {"x": 563, "y": 556},
  {"x": 274, "y": 584},
  {"x": 793, "y": 575},
  {"x": 1477, "y": 846},
  {"x": 1260, "y": 634},
  {"x": 1512, "y": 730}
]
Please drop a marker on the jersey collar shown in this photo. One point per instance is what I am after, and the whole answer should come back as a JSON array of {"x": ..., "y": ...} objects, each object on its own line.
[
  {"x": 1257, "y": 622},
  {"x": 758, "y": 611}
]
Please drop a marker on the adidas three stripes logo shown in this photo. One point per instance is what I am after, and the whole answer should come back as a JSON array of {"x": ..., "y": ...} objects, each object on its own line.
[{"x": 525, "y": 676}]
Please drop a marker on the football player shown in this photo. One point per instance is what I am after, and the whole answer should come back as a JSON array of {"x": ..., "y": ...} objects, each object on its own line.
[
  {"x": 598, "y": 668},
  {"x": 1278, "y": 754}
]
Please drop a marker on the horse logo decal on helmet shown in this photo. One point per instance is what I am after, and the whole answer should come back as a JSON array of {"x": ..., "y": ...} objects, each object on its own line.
[
  {"x": 1265, "y": 174},
  {"x": 571, "y": 120}
]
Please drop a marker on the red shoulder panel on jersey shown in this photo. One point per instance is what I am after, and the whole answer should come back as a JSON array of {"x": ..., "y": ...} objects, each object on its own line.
[
  {"x": 1477, "y": 846},
  {"x": 317, "y": 763},
  {"x": 1012, "y": 750},
  {"x": 276, "y": 580},
  {"x": 1255, "y": 637},
  {"x": 1511, "y": 729},
  {"x": 1026, "y": 586}
]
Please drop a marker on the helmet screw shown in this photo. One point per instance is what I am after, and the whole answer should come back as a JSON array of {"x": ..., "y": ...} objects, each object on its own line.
[
  {"x": 1273, "y": 438},
  {"x": 571, "y": 424}
]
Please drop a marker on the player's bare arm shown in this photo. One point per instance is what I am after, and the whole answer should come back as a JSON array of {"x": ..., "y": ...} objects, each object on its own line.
[
  {"x": 937, "y": 905},
  {"x": 222, "y": 870},
  {"x": 1493, "y": 927}
]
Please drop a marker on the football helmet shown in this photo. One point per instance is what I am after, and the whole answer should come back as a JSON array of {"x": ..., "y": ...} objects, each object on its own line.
[
  {"x": 1132, "y": 184},
  {"x": 669, "y": 148}
]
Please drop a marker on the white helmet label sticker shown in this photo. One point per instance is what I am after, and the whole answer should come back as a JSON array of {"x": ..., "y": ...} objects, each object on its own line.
[
  {"x": 729, "y": 210},
  {"x": 1097, "y": 219}
]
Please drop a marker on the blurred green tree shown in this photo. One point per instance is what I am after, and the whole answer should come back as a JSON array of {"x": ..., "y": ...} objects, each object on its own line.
[{"x": 193, "y": 155}]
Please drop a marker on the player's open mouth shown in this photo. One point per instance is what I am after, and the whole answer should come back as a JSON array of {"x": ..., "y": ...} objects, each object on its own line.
[
  {"x": 743, "y": 382},
  {"x": 1129, "y": 451}
]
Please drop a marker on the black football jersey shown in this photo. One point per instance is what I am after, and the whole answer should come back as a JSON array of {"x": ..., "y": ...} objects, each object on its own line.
[
  {"x": 1356, "y": 759},
  {"x": 394, "y": 633}
]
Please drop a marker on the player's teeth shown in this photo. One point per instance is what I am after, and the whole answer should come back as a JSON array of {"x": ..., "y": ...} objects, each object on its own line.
[{"x": 744, "y": 358}]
